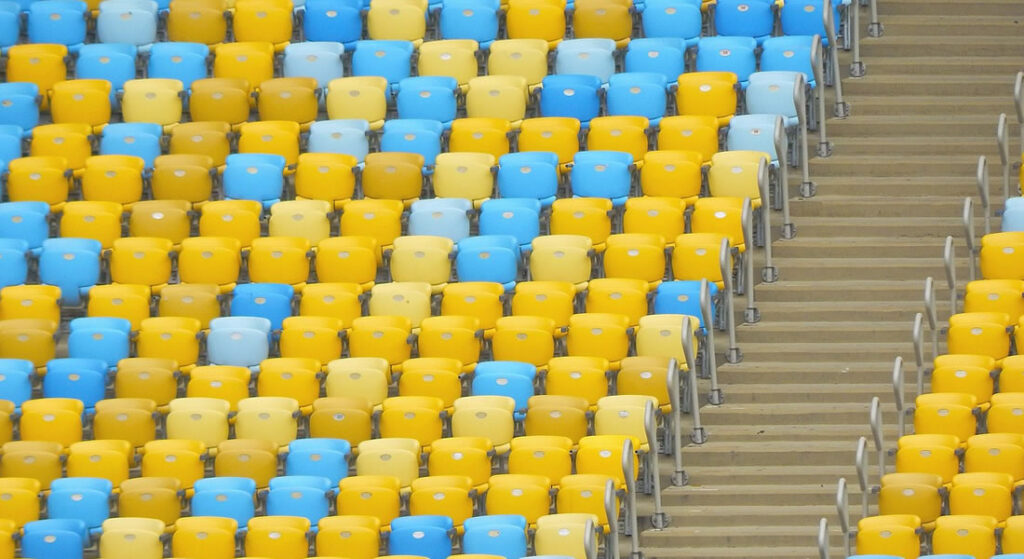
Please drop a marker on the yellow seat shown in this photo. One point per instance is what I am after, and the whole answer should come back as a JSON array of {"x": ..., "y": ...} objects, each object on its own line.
[
  {"x": 361, "y": 97},
  {"x": 151, "y": 497},
  {"x": 69, "y": 140},
  {"x": 372, "y": 495},
  {"x": 707, "y": 93},
  {"x": 396, "y": 20},
  {"x": 33, "y": 339},
  {"x": 128, "y": 301},
  {"x": 638, "y": 256},
  {"x": 480, "y": 299},
  {"x": 367, "y": 378},
  {"x": 1012, "y": 540},
  {"x": 455, "y": 58},
  {"x": 128, "y": 419},
  {"x": 618, "y": 295},
  {"x": 268, "y": 418},
  {"x": 392, "y": 176},
  {"x": 353, "y": 536},
  {"x": 351, "y": 258},
  {"x": 397, "y": 457},
  {"x": 142, "y": 261},
  {"x": 422, "y": 258},
  {"x": 982, "y": 493},
  {"x": 604, "y": 335},
  {"x": 337, "y": 300},
  {"x": 329, "y": 177},
  {"x": 85, "y": 101},
  {"x": 449, "y": 495},
  {"x": 604, "y": 19},
  {"x": 99, "y": 220},
  {"x": 198, "y": 418},
  {"x": 27, "y": 467},
  {"x": 465, "y": 175},
  {"x": 696, "y": 133},
  {"x": 586, "y": 494},
  {"x": 199, "y": 301},
  {"x": 965, "y": 534},
  {"x": 106, "y": 459},
  {"x": 167, "y": 219},
  {"x": 737, "y": 174},
  {"x": 504, "y": 97},
  {"x": 185, "y": 176},
  {"x": 673, "y": 174},
  {"x": 452, "y": 336},
  {"x": 39, "y": 178},
  {"x": 155, "y": 100},
  {"x": 980, "y": 334},
  {"x": 526, "y": 58},
  {"x": 551, "y": 299},
  {"x": 280, "y": 137},
  {"x": 555, "y": 134},
  {"x": 432, "y": 377},
  {"x": 585, "y": 377},
  {"x": 619, "y": 133},
  {"x": 561, "y": 258},
  {"x": 41, "y": 64},
  {"x": 226, "y": 97},
  {"x": 662, "y": 216},
  {"x": 412, "y": 417},
  {"x": 381, "y": 336},
  {"x": 223, "y": 382},
  {"x": 524, "y": 338},
  {"x": 348, "y": 418},
  {"x": 209, "y": 138},
  {"x": 148, "y": 378},
  {"x": 552, "y": 461},
  {"x": 183, "y": 460},
  {"x": 6, "y": 425},
  {"x": 314, "y": 337},
  {"x": 660, "y": 335},
  {"x": 252, "y": 62},
  {"x": 255, "y": 459},
  {"x": 569, "y": 535},
  {"x": 461, "y": 455},
  {"x": 196, "y": 21},
  {"x": 527, "y": 495},
  {"x": 213, "y": 260},
  {"x": 997, "y": 296},
  {"x": 588, "y": 217},
  {"x": 282, "y": 537},
  {"x": 236, "y": 219},
  {"x": 407, "y": 299},
  {"x": 30, "y": 301},
  {"x": 132, "y": 538},
  {"x": 603, "y": 454},
  {"x": 280, "y": 260},
  {"x": 263, "y": 20},
  {"x": 536, "y": 19},
  {"x": 723, "y": 216},
  {"x": 292, "y": 99},
  {"x": 480, "y": 135},
  {"x": 206, "y": 536},
  {"x": 485, "y": 417},
  {"x": 290, "y": 377},
  {"x": 171, "y": 338},
  {"x": 889, "y": 534}
]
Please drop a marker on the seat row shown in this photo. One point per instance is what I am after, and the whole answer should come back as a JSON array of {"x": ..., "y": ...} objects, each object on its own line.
[{"x": 955, "y": 536}]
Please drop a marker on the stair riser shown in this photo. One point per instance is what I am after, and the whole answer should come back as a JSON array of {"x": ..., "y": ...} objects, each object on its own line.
[
  {"x": 797, "y": 249},
  {"x": 738, "y": 539},
  {"x": 976, "y": 127},
  {"x": 944, "y": 8},
  {"x": 813, "y": 208},
  {"x": 913, "y": 270},
  {"x": 840, "y": 166},
  {"x": 995, "y": 66},
  {"x": 811, "y": 437},
  {"x": 779, "y": 293},
  {"x": 711, "y": 476},
  {"x": 706, "y": 516},
  {"x": 836, "y": 228},
  {"x": 932, "y": 46},
  {"x": 895, "y": 186},
  {"x": 918, "y": 145},
  {"x": 829, "y": 375},
  {"x": 755, "y": 335},
  {"x": 738, "y": 417},
  {"x": 952, "y": 29}
]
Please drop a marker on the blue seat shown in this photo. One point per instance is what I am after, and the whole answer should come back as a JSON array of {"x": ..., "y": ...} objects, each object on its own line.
[
  {"x": 350, "y": 136},
  {"x": 518, "y": 368},
  {"x": 803, "y": 17},
  {"x": 773, "y": 93},
  {"x": 254, "y": 176},
  {"x": 728, "y": 54},
  {"x": 501, "y": 534},
  {"x": 13, "y": 262},
  {"x": 441, "y": 217},
  {"x": 84, "y": 385},
  {"x": 10, "y": 145},
  {"x": 238, "y": 344},
  {"x": 428, "y": 97},
  {"x": 662, "y": 55},
  {"x": 745, "y": 18},
  {"x": 390, "y": 59},
  {"x": 54, "y": 539},
  {"x": 321, "y": 60},
  {"x": 82, "y": 498},
  {"x": 469, "y": 19},
  {"x": 62, "y": 22},
  {"x": 754, "y": 132},
  {"x": 71, "y": 264},
  {"x": 572, "y": 95},
  {"x": 791, "y": 54},
  {"x": 592, "y": 57},
  {"x": 413, "y": 135},
  {"x": 1013, "y": 214},
  {"x": 505, "y": 382},
  {"x": 10, "y": 24},
  {"x": 16, "y": 380},
  {"x": 141, "y": 139},
  {"x": 104, "y": 338},
  {"x": 493, "y": 258},
  {"x": 112, "y": 62},
  {"x": 272, "y": 301},
  {"x": 679, "y": 19},
  {"x": 132, "y": 22},
  {"x": 308, "y": 496},
  {"x": 185, "y": 62},
  {"x": 228, "y": 497},
  {"x": 517, "y": 217},
  {"x": 1000, "y": 556},
  {"x": 424, "y": 535},
  {"x": 683, "y": 297},
  {"x": 19, "y": 105},
  {"x": 337, "y": 21},
  {"x": 638, "y": 93},
  {"x": 602, "y": 174},
  {"x": 529, "y": 174},
  {"x": 26, "y": 221},
  {"x": 318, "y": 456},
  {"x": 948, "y": 556}
]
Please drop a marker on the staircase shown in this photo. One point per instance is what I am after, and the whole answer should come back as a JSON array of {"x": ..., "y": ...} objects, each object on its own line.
[{"x": 851, "y": 282}]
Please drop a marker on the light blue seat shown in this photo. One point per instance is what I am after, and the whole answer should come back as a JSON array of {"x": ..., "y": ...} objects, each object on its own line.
[
  {"x": 141, "y": 139},
  {"x": 493, "y": 258},
  {"x": 391, "y": 60},
  {"x": 1003, "y": 556},
  {"x": 54, "y": 539},
  {"x": 16, "y": 377},
  {"x": 948, "y": 556},
  {"x": 773, "y": 93},
  {"x": 27, "y": 221},
  {"x": 517, "y": 217},
  {"x": 728, "y": 54},
  {"x": 505, "y": 382},
  {"x": 62, "y": 22},
  {"x": 638, "y": 93},
  {"x": 680, "y": 19},
  {"x": 337, "y": 21},
  {"x": 77, "y": 378},
  {"x": 428, "y": 97},
  {"x": 501, "y": 534},
  {"x": 529, "y": 174},
  {"x": 424, "y": 535},
  {"x": 318, "y": 457},
  {"x": 82, "y": 498},
  {"x": 227, "y": 497},
  {"x": 241, "y": 347},
  {"x": 307, "y": 496},
  {"x": 1013, "y": 214},
  {"x": 271, "y": 301},
  {"x": 571, "y": 95},
  {"x": 10, "y": 24},
  {"x": 71, "y": 264},
  {"x": 683, "y": 297},
  {"x": 793, "y": 54},
  {"x": 753, "y": 132},
  {"x": 592, "y": 57},
  {"x": 469, "y": 19},
  {"x": 100, "y": 337},
  {"x": 112, "y": 62},
  {"x": 602, "y": 174},
  {"x": 185, "y": 62},
  {"x": 413, "y": 135},
  {"x": 133, "y": 22},
  {"x": 349, "y": 136},
  {"x": 254, "y": 176},
  {"x": 745, "y": 18},
  {"x": 19, "y": 105},
  {"x": 873, "y": 556},
  {"x": 13, "y": 261},
  {"x": 321, "y": 60},
  {"x": 441, "y": 217}
]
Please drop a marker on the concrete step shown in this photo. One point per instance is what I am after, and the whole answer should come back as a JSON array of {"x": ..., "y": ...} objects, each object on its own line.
[
  {"x": 935, "y": 44},
  {"x": 956, "y": 186},
  {"x": 847, "y": 290},
  {"x": 782, "y": 433},
  {"x": 741, "y": 517},
  {"x": 864, "y": 268},
  {"x": 806, "y": 393},
  {"x": 794, "y": 351},
  {"x": 754, "y": 495},
  {"x": 891, "y": 165},
  {"x": 854, "y": 205},
  {"x": 923, "y": 7},
  {"x": 829, "y": 227},
  {"x": 823, "y": 332},
  {"x": 776, "y": 414},
  {"x": 910, "y": 142},
  {"x": 951, "y": 24},
  {"x": 958, "y": 85},
  {"x": 808, "y": 551},
  {"x": 844, "y": 310},
  {"x": 853, "y": 247},
  {"x": 938, "y": 65},
  {"x": 751, "y": 475},
  {"x": 913, "y": 126},
  {"x": 760, "y": 370}
]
